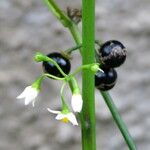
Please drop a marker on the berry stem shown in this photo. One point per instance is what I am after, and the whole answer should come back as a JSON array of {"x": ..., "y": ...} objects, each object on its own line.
[
  {"x": 70, "y": 50},
  {"x": 53, "y": 77},
  {"x": 55, "y": 63},
  {"x": 85, "y": 67},
  {"x": 117, "y": 118}
]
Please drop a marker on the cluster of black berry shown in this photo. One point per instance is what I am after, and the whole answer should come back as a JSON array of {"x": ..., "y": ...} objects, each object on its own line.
[{"x": 111, "y": 54}]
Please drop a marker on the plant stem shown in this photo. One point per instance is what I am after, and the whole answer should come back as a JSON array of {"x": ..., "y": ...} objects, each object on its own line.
[
  {"x": 58, "y": 13},
  {"x": 70, "y": 50},
  {"x": 88, "y": 56},
  {"x": 116, "y": 116},
  {"x": 76, "y": 35}
]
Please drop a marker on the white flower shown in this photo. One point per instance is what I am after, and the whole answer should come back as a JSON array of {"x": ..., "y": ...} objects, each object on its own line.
[
  {"x": 29, "y": 94},
  {"x": 64, "y": 117},
  {"x": 77, "y": 102}
]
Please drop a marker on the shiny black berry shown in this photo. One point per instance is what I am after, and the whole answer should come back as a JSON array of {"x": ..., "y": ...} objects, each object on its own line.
[
  {"x": 105, "y": 80},
  {"x": 112, "y": 54},
  {"x": 62, "y": 61}
]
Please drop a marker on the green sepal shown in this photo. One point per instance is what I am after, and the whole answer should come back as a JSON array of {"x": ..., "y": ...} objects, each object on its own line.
[
  {"x": 95, "y": 67},
  {"x": 37, "y": 84}
]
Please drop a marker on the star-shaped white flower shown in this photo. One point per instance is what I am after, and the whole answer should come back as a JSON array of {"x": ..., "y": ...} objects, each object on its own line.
[
  {"x": 76, "y": 102},
  {"x": 64, "y": 117},
  {"x": 29, "y": 94}
]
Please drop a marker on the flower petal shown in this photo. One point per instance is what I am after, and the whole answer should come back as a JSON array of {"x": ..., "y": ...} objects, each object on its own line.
[
  {"x": 32, "y": 93},
  {"x": 53, "y": 111},
  {"x": 60, "y": 116},
  {"x": 71, "y": 117},
  {"x": 28, "y": 100},
  {"x": 23, "y": 94},
  {"x": 77, "y": 102},
  {"x": 29, "y": 94}
]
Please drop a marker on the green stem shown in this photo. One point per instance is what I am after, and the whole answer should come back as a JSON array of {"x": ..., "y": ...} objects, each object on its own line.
[
  {"x": 64, "y": 105},
  {"x": 70, "y": 50},
  {"x": 53, "y": 77},
  {"x": 58, "y": 67},
  {"x": 76, "y": 35},
  {"x": 116, "y": 116},
  {"x": 58, "y": 13},
  {"x": 87, "y": 67},
  {"x": 88, "y": 56}
]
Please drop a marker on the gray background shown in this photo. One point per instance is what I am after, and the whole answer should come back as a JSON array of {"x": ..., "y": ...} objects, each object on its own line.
[{"x": 27, "y": 26}]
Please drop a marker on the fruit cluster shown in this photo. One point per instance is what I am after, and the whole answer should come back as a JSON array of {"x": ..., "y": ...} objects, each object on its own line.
[{"x": 110, "y": 55}]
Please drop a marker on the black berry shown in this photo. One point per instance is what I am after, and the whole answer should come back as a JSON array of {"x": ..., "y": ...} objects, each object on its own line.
[
  {"x": 62, "y": 61},
  {"x": 105, "y": 80},
  {"x": 106, "y": 87},
  {"x": 112, "y": 54}
]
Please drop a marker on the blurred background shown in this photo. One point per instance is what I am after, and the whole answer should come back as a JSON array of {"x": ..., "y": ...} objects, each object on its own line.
[{"x": 28, "y": 26}]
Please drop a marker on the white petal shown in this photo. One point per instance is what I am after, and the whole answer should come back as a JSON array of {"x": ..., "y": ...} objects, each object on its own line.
[
  {"x": 53, "y": 111},
  {"x": 77, "y": 102},
  {"x": 23, "y": 94},
  {"x": 71, "y": 117},
  {"x": 32, "y": 93},
  {"x": 29, "y": 94},
  {"x": 60, "y": 116},
  {"x": 28, "y": 100}
]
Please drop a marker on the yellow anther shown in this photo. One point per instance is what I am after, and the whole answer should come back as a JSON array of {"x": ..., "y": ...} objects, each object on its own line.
[{"x": 65, "y": 120}]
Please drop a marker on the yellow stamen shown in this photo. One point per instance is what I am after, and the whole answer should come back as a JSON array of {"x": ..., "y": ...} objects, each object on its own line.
[{"x": 65, "y": 120}]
